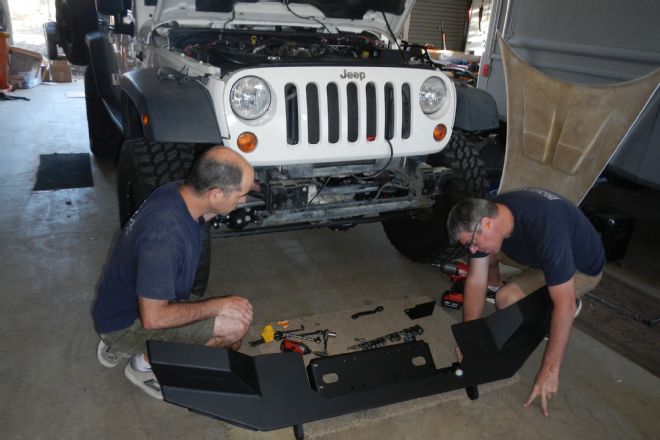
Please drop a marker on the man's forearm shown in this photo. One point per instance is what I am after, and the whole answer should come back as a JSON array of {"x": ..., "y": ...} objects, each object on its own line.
[
  {"x": 563, "y": 297},
  {"x": 474, "y": 297},
  {"x": 560, "y": 331},
  {"x": 474, "y": 292},
  {"x": 172, "y": 314}
]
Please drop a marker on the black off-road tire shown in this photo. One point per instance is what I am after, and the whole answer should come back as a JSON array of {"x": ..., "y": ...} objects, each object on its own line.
[
  {"x": 105, "y": 138},
  {"x": 75, "y": 19},
  {"x": 144, "y": 166},
  {"x": 422, "y": 237}
]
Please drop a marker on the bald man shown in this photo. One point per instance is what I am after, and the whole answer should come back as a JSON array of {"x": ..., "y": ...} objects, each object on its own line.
[{"x": 144, "y": 292}]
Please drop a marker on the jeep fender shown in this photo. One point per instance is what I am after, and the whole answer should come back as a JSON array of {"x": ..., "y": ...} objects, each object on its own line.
[
  {"x": 476, "y": 110},
  {"x": 102, "y": 62},
  {"x": 171, "y": 110}
]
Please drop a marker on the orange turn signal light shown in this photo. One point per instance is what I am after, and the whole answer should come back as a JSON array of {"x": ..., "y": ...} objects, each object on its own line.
[
  {"x": 145, "y": 119},
  {"x": 247, "y": 142},
  {"x": 439, "y": 132}
]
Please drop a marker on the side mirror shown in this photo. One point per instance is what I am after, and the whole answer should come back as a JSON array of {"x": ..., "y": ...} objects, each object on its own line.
[{"x": 110, "y": 7}]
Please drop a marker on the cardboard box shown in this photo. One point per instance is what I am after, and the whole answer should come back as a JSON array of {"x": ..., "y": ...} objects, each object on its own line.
[{"x": 60, "y": 71}]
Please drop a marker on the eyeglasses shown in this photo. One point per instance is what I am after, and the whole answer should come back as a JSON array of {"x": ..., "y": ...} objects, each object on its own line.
[{"x": 474, "y": 231}]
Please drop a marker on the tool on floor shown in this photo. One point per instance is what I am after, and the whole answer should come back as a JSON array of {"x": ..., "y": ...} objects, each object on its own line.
[
  {"x": 420, "y": 310},
  {"x": 367, "y": 312},
  {"x": 451, "y": 300},
  {"x": 325, "y": 334},
  {"x": 633, "y": 315},
  {"x": 269, "y": 334},
  {"x": 318, "y": 336},
  {"x": 458, "y": 272},
  {"x": 5, "y": 97},
  {"x": 306, "y": 337},
  {"x": 295, "y": 346},
  {"x": 407, "y": 334}
]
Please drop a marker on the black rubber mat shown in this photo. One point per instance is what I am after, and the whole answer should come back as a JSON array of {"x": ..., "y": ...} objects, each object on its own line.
[{"x": 61, "y": 171}]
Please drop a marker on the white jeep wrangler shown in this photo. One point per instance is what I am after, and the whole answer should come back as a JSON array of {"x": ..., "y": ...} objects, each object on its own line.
[{"x": 343, "y": 123}]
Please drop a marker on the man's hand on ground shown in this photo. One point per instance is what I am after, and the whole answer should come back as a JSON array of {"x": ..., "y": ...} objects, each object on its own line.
[{"x": 546, "y": 385}]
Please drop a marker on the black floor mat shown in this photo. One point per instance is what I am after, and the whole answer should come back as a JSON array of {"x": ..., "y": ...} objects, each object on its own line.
[
  {"x": 60, "y": 171},
  {"x": 636, "y": 339}
]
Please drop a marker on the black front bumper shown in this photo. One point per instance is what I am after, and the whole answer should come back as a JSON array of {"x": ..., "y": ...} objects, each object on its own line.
[{"x": 273, "y": 391}]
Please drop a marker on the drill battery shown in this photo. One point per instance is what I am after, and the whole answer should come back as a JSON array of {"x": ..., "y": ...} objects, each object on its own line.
[{"x": 453, "y": 298}]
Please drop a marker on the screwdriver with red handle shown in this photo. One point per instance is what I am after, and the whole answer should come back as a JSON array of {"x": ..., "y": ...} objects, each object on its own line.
[{"x": 295, "y": 346}]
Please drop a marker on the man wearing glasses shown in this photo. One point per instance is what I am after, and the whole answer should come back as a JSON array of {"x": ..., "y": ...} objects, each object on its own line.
[{"x": 545, "y": 232}]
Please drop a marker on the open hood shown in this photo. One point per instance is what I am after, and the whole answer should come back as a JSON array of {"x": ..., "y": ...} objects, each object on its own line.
[{"x": 351, "y": 15}]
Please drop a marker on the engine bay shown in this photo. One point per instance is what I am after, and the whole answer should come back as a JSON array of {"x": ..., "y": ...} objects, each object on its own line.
[{"x": 234, "y": 49}]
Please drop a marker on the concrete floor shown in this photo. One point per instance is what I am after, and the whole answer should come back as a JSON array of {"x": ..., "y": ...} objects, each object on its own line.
[{"x": 54, "y": 245}]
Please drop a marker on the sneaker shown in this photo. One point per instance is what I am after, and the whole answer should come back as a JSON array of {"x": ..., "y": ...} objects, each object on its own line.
[
  {"x": 146, "y": 380},
  {"x": 107, "y": 356},
  {"x": 578, "y": 307},
  {"x": 491, "y": 291}
]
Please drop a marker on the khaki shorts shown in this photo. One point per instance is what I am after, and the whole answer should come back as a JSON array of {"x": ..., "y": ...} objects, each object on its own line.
[
  {"x": 133, "y": 339},
  {"x": 532, "y": 279}
]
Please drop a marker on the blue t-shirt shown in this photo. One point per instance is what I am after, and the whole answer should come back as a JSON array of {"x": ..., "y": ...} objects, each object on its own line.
[
  {"x": 551, "y": 234},
  {"x": 156, "y": 256}
]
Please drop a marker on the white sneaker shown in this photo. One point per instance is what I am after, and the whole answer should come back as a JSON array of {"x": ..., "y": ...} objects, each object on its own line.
[
  {"x": 108, "y": 357},
  {"x": 491, "y": 291},
  {"x": 146, "y": 380},
  {"x": 578, "y": 307}
]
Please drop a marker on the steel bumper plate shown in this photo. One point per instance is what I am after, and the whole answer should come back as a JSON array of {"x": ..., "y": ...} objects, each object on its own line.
[{"x": 274, "y": 391}]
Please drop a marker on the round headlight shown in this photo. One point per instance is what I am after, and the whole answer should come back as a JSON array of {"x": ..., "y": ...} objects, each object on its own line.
[
  {"x": 432, "y": 95},
  {"x": 249, "y": 97}
]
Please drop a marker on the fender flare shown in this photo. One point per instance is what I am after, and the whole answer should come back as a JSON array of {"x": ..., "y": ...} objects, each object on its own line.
[
  {"x": 101, "y": 61},
  {"x": 178, "y": 109},
  {"x": 476, "y": 110}
]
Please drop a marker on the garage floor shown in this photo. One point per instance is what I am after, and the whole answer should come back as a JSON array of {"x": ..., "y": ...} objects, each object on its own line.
[{"x": 55, "y": 243}]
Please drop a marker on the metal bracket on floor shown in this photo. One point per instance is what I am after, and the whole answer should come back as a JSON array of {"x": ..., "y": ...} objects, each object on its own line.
[{"x": 274, "y": 391}]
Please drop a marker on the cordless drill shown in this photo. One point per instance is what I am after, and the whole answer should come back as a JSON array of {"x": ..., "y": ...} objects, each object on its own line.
[{"x": 457, "y": 271}]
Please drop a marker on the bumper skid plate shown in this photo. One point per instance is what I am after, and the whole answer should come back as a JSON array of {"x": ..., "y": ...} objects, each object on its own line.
[{"x": 274, "y": 391}]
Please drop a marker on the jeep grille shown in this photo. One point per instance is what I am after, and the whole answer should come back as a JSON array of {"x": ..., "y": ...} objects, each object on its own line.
[{"x": 347, "y": 105}]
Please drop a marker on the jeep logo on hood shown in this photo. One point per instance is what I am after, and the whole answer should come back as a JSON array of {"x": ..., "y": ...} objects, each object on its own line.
[{"x": 353, "y": 75}]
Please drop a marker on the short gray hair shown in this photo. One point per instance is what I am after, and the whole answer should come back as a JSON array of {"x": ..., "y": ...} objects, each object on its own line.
[
  {"x": 466, "y": 213},
  {"x": 208, "y": 172}
]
